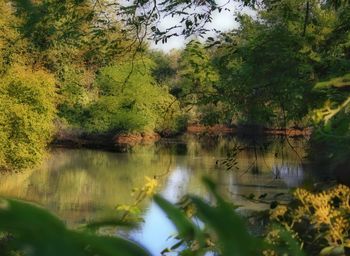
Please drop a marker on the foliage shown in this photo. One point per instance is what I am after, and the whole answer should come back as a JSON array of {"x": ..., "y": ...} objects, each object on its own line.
[
  {"x": 329, "y": 145},
  {"x": 23, "y": 221},
  {"x": 192, "y": 16},
  {"x": 70, "y": 40},
  {"x": 197, "y": 73},
  {"x": 12, "y": 45},
  {"x": 266, "y": 74},
  {"x": 61, "y": 31},
  {"x": 166, "y": 67},
  {"x": 191, "y": 78},
  {"x": 140, "y": 194},
  {"x": 338, "y": 82},
  {"x": 130, "y": 100},
  {"x": 330, "y": 141},
  {"x": 264, "y": 71},
  {"x": 26, "y": 116},
  {"x": 319, "y": 221},
  {"x": 75, "y": 93},
  {"x": 291, "y": 60},
  {"x": 224, "y": 231}
]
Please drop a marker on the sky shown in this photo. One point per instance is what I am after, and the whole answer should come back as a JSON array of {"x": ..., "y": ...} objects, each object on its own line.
[{"x": 223, "y": 21}]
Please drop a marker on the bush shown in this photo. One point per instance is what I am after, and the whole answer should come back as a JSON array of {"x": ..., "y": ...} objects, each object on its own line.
[
  {"x": 111, "y": 114},
  {"x": 320, "y": 221},
  {"x": 27, "y": 111}
]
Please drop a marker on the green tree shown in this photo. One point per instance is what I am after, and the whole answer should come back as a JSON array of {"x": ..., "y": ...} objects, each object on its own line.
[
  {"x": 130, "y": 100},
  {"x": 198, "y": 76},
  {"x": 13, "y": 47},
  {"x": 269, "y": 65},
  {"x": 72, "y": 40}
]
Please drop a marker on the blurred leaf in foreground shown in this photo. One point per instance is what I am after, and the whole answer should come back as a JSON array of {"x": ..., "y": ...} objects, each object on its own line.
[{"x": 37, "y": 232}]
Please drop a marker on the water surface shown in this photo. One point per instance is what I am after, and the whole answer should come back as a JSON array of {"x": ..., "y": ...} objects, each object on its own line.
[{"x": 80, "y": 185}]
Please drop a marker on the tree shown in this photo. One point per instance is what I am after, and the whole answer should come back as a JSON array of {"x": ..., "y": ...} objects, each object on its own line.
[
  {"x": 131, "y": 101},
  {"x": 197, "y": 73},
  {"x": 268, "y": 66}
]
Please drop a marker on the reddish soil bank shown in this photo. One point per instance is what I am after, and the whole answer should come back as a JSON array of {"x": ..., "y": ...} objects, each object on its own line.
[
  {"x": 111, "y": 142},
  {"x": 290, "y": 132},
  {"x": 247, "y": 130},
  {"x": 215, "y": 129},
  {"x": 122, "y": 142},
  {"x": 136, "y": 138}
]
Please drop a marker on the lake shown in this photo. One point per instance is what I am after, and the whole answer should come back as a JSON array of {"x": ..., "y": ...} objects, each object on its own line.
[{"x": 80, "y": 185}]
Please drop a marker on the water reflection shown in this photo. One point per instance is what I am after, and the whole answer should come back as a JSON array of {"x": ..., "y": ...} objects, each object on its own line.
[
  {"x": 80, "y": 185},
  {"x": 275, "y": 175},
  {"x": 156, "y": 230},
  {"x": 292, "y": 176}
]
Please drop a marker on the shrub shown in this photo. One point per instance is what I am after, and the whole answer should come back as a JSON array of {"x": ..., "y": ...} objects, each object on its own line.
[
  {"x": 27, "y": 111},
  {"x": 319, "y": 220}
]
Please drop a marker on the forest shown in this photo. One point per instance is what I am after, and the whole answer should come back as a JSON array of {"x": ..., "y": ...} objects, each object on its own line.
[{"x": 82, "y": 87}]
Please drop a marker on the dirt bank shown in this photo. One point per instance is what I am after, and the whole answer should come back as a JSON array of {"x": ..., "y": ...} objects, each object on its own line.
[
  {"x": 249, "y": 130},
  {"x": 215, "y": 129},
  {"x": 110, "y": 142},
  {"x": 136, "y": 138},
  {"x": 290, "y": 132},
  {"x": 122, "y": 142}
]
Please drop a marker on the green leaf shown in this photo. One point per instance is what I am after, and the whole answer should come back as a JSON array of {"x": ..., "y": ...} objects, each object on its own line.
[
  {"x": 227, "y": 224},
  {"x": 44, "y": 234},
  {"x": 333, "y": 251},
  {"x": 185, "y": 228}
]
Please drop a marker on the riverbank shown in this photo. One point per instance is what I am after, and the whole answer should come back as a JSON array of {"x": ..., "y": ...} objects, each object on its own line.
[
  {"x": 110, "y": 142},
  {"x": 70, "y": 138},
  {"x": 249, "y": 130}
]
